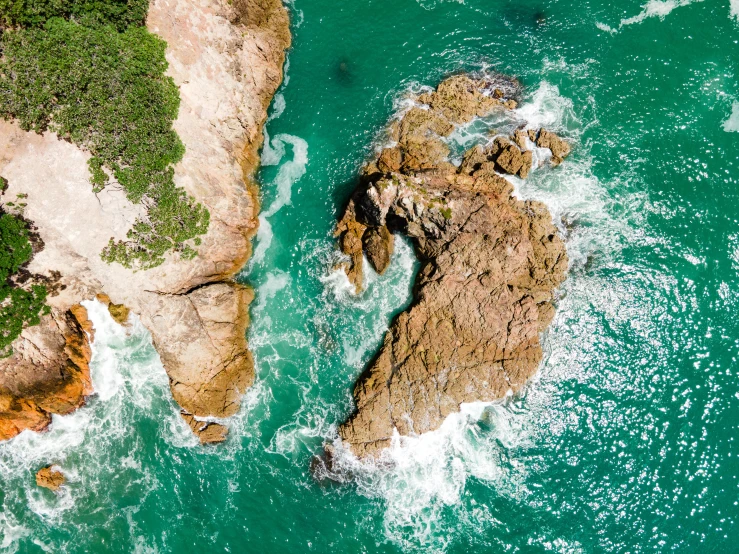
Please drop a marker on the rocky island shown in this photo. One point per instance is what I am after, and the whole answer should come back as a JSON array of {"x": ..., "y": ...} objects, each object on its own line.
[
  {"x": 226, "y": 60},
  {"x": 490, "y": 264}
]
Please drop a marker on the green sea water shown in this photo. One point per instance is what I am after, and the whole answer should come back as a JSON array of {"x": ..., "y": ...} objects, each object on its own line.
[{"x": 624, "y": 441}]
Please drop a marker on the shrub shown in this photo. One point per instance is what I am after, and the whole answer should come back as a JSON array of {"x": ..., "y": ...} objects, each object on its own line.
[
  {"x": 35, "y": 13},
  {"x": 20, "y": 307}
]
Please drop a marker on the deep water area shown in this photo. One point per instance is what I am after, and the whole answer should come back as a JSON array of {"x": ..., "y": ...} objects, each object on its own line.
[{"x": 625, "y": 439}]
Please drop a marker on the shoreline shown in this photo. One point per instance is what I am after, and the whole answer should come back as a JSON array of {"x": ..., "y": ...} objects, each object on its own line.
[{"x": 228, "y": 62}]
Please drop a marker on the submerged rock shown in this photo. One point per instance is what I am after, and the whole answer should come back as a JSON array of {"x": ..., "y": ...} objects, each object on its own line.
[
  {"x": 50, "y": 477},
  {"x": 489, "y": 267}
]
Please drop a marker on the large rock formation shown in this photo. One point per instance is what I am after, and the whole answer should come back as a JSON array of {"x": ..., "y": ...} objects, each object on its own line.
[
  {"x": 489, "y": 265},
  {"x": 226, "y": 57}
]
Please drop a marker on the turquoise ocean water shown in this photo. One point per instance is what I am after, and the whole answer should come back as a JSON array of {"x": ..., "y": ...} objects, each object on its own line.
[{"x": 625, "y": 440}]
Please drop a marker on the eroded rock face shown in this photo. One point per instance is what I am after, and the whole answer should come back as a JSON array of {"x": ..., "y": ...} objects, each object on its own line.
[
  {"x": 48, "y": 373},
  {"x": 490, "y": 264},
  {"x": 50, "y": 477},
  {"x": 226, "y": 57}
]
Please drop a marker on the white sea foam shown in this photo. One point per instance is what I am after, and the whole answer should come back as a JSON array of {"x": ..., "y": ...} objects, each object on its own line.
[
  {"x": 289, "y": 173},
  {"x": 653, "y": 8},
  {"x": 278, "y": 106},
  {"x": 382, "y": 295},
  {"x": 276, "y": 281},
  {"x": 129, "y": 383},
  {"x": 732, "y": 124},
  {"x": 430, "y": 4},
  {"x": 734, "y": 9},
  {"x": 420, "y": 479}
]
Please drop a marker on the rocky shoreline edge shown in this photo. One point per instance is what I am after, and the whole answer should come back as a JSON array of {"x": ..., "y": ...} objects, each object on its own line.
[
  {"x": 227, "y": 59},
  {"x": 490, "y": 264}
]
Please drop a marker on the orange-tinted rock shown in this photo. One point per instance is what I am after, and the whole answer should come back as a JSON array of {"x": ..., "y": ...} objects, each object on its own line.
[
  {"x": 50, "y": 477},
  {"x": 18, "y": 414},
  {"x": 48, "y": 373}
]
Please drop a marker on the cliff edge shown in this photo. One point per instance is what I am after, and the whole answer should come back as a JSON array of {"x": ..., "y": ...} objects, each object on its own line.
[{"x": 227, "y": 59}]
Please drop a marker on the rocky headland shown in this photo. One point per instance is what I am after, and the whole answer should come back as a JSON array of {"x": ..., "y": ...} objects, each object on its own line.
[
  {"x": 490, "y": 264},
  {"x": 226, "y": 58}
]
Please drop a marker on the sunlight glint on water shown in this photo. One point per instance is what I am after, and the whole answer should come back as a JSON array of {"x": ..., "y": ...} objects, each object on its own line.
[{"x": 623, "y": 442}]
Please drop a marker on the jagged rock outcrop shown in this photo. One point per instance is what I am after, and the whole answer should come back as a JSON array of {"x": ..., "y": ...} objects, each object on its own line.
[
  {"x": 48, "y": 373},
  {"x": 489, "y": 266},
  {"x": 226, "y": 57},
  {"x": 50, "y": 477}
]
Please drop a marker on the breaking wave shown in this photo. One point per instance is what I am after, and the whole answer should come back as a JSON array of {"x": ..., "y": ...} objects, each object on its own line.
[
  {"x": 130, "y": 386},
  {"x": 422, "y": 479},
  {"x": 289, "y": 173},
  {"x": 732, "y": 123},
  {"x": 653, "y": 8}
]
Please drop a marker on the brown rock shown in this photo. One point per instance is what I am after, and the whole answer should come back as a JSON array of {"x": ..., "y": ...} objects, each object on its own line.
[
  {"x": 48, "y": 373},
  {"x": 560, "y": 148},
  {"x": 378, "y": 244},
  {"x": 207, "y": 327},
  {"x": 390, "y": 160},
  {"x": 507, "y": 156},
  {"x": 50, "y": 477},
  {"x": 490, "y": 264},
  {"x": 460, "y": 98},
  {"x": 527, "y": 160},
  {"x": 207, "y": 431},
  {"x": 350, "y": 233},
  {"x": 473, "y": 159}
]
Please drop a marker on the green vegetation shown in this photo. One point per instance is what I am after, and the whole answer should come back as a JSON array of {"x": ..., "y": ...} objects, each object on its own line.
[
  {"x": 20, "y": 306},
  {"x": 446, "y": 213},
  {"x": 35, "y": 13},
  {"x": 97, "y": 79}
]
